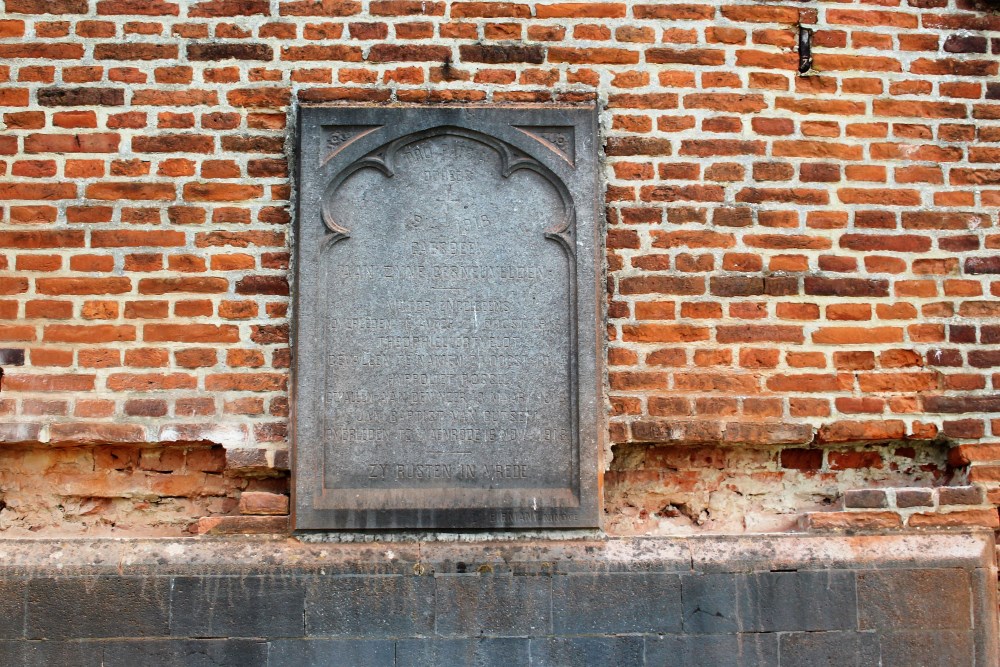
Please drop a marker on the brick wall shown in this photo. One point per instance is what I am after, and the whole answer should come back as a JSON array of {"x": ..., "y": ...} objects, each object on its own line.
[{"x": 800, "y": 267}]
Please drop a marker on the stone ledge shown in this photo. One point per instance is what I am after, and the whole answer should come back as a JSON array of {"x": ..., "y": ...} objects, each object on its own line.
[
  {"x": 263, "y": 554},
  {"x": 779, "y": 601}
]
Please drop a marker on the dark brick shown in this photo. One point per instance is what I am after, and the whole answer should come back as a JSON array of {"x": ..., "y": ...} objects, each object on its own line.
[
  {"x": 731, "y": 650},
  {"x": 962, "y": 404},
  {"x": 960, "y": 333},
  {"x": 809, "y": 600},
  {"x": 470, "y": 605},
  {"x": 11, "y": 357},
  {"x": 929, "y": 599},
  {"x": 754, "y": 286},
  {"x": 186, "y": 653},
  {"x": 709, "y": 603},
  {"x": 829, "y": 649},
  {"x": 375, "y": 606},
  {"x": 817, "y": 286},
  {"x": 277, "y": 285},
  {"x": 616, "y": 602},
  {"x": 323, "y": 652},
  {"x": 865, "y": 498},
  {"x": 965, "y": 44},
  {"x": 963, "y": 428},
  {"x": 78, "y": 607},
  {"x": 984, "y": 358},
  {"x": 960, "y": 495},
  {"x": 989, "y": 334},
  {"x": 502, "y": 53},
  {"x": 479, "y": 652},
  {"x": 81, "y": 97},
  {"x": 914, "y": 498},
  {"x": 214, "y": 52},
  {"x": 230, "y": 606},
  {"x": 981, "y": 265},
  {"x": 617, "y": 651}
]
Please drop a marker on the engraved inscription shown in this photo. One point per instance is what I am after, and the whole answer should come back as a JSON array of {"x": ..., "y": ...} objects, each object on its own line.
[
  {"x": 559, "y": 139},
  {"x": 336, "y": 137},
  {"x": 452, "y": 343}
]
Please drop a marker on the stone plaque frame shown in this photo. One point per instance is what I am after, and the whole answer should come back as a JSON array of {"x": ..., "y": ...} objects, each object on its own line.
[{"x": 335, "y": 143}]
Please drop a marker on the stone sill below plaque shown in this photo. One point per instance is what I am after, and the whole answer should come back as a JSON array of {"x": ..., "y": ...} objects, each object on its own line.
[{"x": 234, "y": 555}]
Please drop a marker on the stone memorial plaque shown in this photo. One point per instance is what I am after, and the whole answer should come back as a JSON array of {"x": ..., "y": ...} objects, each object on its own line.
[{"x": 447, "y": 319}]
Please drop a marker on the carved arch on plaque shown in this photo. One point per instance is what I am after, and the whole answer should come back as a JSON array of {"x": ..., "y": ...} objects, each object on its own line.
[{"x": 383, "y": 159}]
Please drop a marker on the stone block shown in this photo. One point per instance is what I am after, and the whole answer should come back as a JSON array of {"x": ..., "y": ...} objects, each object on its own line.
[
  {"x": 806, "y": 600},
  {"x": 930, "y": 599},
  {"x": 709, "y": 603},
  {"x": 497, "y": 652},
  {"x": 186, "y": 653},
  {"x": 829, "y": 649},
  {"x": 984, "y": 615},
  {"x": 102, "y": 606},
  {"x": 939, "y": 648},
  {"x": 737, "y": 650},
  {"x": 20, "y": 653},
  {"x": 12, "y": 597},
  {"x": 616, "y": 603},
  {"x": 371, "y": 606},
  {"x": 324, "y": 652},
  {"x": 493, "y": 605},
  {"x": 236, "y": 606},
  {"x": 574, "y": 651}
]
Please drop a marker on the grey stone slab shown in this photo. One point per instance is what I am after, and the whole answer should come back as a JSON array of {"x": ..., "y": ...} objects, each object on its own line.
[
  {"x": 78, "y": 607},
  {"x": 741, "y": 650},
  {"x": 25, "y": 653},
  {"x": 915, "y": 599},
  {"x": 446, "y": 316},
  {"x": 331, "y": 653},
  {"x": 938, "y": 648},
  {"x": 391, "y": 606},
  {"x": 829, "y": 649},
  {"x": 493, "y": 605},
  {"x": 13, "y": 593},
  {"x": 186, "y": 653},
  {"x": 586, "y": 652},
  {"x": 616, "y": 603},
  {"x": 984, "y": 616},
  {"x": 709, "y": 602},
  {"x": 798, "y": 551},
  {"x": 251, "y": 606},
  {"x": 501, "y": 652},
  {"x": 809, "y": 600}
]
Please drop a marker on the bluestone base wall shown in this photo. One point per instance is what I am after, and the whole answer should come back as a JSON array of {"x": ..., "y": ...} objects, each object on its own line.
[{"x": 767, "y": 600}]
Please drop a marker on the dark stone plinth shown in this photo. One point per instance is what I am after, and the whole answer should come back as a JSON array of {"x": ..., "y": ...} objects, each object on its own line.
[{"x": 691, "y": 602}]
